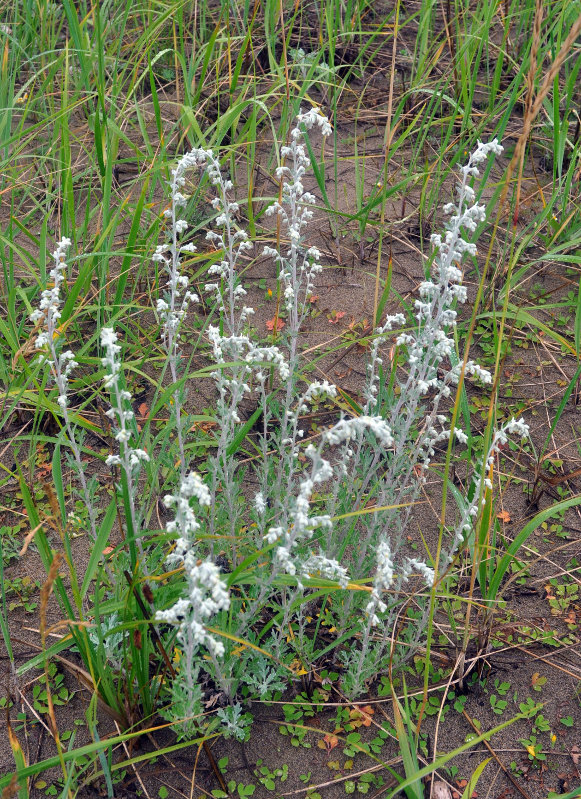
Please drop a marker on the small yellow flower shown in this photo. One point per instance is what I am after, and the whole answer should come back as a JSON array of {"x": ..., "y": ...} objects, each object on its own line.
[{"x": 297, "y": 668}]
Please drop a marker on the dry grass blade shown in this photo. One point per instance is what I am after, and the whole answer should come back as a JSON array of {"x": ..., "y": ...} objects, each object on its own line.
[
  {"x": 12, "y": 789},
  {"x": 530, "y": 84},
  {"x": 533, "y": 110},
  {"x": 517, "y": 159}
]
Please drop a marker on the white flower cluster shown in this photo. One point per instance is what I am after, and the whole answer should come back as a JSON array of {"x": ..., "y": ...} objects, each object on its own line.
[
  {"x": 384, "y": 577},
  {"x": 49, "y": 307},
  {"x": 185, "y": 524},
  {"x": 260, "y": 503},
  {"x": 317, "y": 390},
  {"x": 300, "y": 524},
  {"x": 232, "y": 241},
  {"x": 252, "y": 356},
  {"x": 430, "y": 345},
  {"x": 375, "y": 361},
  {"x": 129, "y": 457},
  {"x": 326, "y": 567},
  {"x": 47, "y": 314},
  {"x": 207, "y": 593},
  {"x": 243, "y": 348},
  {"x": 411, "y": 565},
  {"x": 346, "y": 429},
  {"x": 173, "y": 307},
  {"x": 516, "y": 427},
  {"x": 297, "y": 267},
  {"x": 61, "y": 364}
]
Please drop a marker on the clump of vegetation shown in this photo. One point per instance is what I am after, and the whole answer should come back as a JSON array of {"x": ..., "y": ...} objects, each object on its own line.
[
  {"x": 295, "y": 552},
  {"x": 232, "y": 553}
]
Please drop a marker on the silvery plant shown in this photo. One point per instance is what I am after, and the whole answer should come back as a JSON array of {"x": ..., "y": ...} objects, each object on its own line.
[{"x": 309, "y": 532}]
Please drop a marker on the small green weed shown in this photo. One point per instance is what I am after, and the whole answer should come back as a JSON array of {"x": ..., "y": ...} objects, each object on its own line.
[
  {"x": 534, "y": 750},
  {"x": 59, "y": 692},
  {"x": 268, "y": 777},
  {"x": 240, "y": 789},
  {"x": 498, "y": 705},
  {"x": 22, "y": 592}
]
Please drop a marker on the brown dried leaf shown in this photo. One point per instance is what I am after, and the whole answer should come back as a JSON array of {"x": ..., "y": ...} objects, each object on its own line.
[
  {"x": 270, "y": 324},
  {"x": 330, "y": 741},
  {"x": 361, "y": 715}
]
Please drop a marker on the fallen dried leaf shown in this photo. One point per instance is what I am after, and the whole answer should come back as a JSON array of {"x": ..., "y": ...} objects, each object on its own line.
[
  {"x": 212, "y": 701},
  {"x": 361, "y": 715},
  {"x": 273, "y": 323}
]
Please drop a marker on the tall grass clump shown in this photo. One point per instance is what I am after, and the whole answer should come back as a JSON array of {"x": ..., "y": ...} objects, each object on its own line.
[{"x": 253, "y": 549}]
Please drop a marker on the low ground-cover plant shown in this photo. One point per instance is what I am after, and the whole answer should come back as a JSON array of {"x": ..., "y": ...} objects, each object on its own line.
[{"x": 324, "y": 536}]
